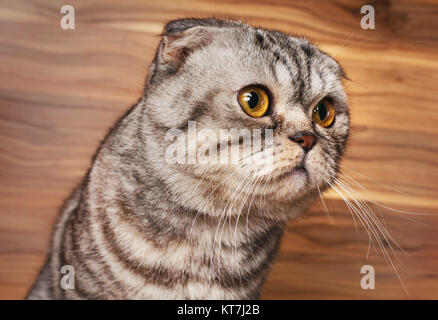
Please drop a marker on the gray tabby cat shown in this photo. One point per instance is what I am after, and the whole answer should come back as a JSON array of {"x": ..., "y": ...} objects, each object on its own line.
[{"x": 139, "y": 227}]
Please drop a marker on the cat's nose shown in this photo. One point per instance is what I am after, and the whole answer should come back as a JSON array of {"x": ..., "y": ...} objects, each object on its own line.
[{"x": 305, "y": 139}]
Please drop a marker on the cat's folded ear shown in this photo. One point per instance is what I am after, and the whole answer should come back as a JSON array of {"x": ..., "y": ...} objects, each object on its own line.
[
  {"x": 181, "y": 25},
  {"x": 182, "y": 37},
  {"x": 177, "y": 47}
]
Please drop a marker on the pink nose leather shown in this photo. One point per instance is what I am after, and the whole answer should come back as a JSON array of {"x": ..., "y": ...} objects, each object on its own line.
[{"x": 306, "y": 141}]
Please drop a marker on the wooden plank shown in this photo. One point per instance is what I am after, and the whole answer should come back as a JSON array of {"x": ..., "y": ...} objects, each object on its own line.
[{"x": 60, "y": 91}]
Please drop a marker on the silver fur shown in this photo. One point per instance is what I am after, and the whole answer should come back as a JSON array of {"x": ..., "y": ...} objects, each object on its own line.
[{"x": 140, "y": 228}]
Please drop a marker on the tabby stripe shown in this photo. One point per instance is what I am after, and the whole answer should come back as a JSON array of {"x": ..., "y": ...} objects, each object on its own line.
[
  {"x": 308, "y": 57},
  {"x": 164, "y": 276},
  {"x": 296, "y": 76},
  {"x": 159, "y": 276},
  {"x": 87, "y": 272},
  {"x": 136, "y": 285}
]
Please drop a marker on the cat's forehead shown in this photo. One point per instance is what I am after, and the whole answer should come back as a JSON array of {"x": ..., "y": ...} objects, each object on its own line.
[{"x": 292, "y": 64}]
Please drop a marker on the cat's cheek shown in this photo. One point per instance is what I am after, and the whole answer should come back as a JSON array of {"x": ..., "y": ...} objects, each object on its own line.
[
  {"x": 342, "y": 123},
  {"x": 319, "y": 168}
]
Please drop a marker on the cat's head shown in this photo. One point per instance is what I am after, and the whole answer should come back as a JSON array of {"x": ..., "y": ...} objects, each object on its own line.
[{"x": 227, "y": 77}]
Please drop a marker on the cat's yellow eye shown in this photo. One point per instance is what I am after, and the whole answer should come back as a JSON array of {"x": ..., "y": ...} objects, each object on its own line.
[
  {"x": 324, "y": 113},
  {"x": 254, "y": 100}
]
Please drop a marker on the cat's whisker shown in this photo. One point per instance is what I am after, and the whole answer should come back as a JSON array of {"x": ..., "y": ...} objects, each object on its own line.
[
  {"x": 250, "y": 190},
  {"x": 368, "y": 211},
  {"x": 386, "y": 207},
  {"x": 345, "y": 200},
  {"x": 262, "y": 199},
  {"x": 370, "y": 230},
  {"x": 368, "y": 178},
  {"x": 246, "y": 192},
  {"x": 257, "y": 183},
  {"x": 215, "y": 235},
  {"x": 196, "y": 216},
  {"x": 324, "y": 206},
  {"x": 214, "y": 242},
  {"x": 221, "y": 183},
  {"x": 226, "y": 212},
  {"x": 372, "y": 215},
  {"x": 376, "y": 224},
  {"x": 247, "y": 224},
  {"x": 377, "y": 207},
  {"x": 207, "y": 199},
  {"x": 362, "y": 220}
]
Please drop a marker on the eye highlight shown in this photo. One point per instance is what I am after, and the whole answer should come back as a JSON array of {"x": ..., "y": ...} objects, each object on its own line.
[
  {"x": 324, "y": 113},
  {"x": 254, "y": 100}
]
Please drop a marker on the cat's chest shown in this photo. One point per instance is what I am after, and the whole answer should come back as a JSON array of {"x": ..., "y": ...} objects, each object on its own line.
[{"x": 217, "y": 261}]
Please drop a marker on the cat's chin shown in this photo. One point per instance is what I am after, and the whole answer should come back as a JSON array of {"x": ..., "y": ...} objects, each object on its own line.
[
  {"x": 292, "y": 183},
  {"x": 298, "y": 179}
]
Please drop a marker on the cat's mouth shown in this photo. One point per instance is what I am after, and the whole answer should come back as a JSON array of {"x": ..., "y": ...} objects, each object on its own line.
[
  {"x": 294, "y": 172},
  {"x": 299, "y": 169}
]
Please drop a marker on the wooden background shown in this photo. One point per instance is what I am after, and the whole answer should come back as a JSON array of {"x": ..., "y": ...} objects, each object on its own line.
[{"x": 61, "y": 90}]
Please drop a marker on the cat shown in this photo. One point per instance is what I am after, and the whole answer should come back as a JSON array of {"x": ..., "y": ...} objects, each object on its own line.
[{"x": 142, "y": 227}]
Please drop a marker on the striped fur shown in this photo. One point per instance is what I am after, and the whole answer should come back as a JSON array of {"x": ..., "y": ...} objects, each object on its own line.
[{"x": 139, "y": 228}]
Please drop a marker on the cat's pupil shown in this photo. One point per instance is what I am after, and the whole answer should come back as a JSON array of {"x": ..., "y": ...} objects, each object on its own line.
[
  {"x": 322, "y": 111},
  {"x": 253, "y": 99}
]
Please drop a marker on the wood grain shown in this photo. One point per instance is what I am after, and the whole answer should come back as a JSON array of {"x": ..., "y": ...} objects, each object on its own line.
[{"x": 61, "y": 90}]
